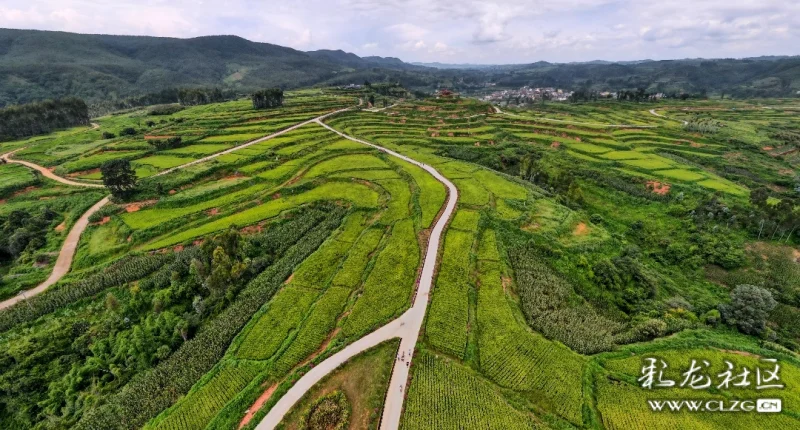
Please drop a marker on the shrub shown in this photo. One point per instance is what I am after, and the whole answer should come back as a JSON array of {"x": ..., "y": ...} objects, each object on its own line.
[
  {"x": 750, "y": 305},
  {"x": 128, "y": 131},
  {"x": 107, "y": 135},
  {"x": 329, "y": 412}
]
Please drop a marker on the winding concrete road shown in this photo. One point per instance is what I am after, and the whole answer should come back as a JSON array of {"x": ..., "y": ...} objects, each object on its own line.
[
  {"x": 252, "y": 142},
  {"x": 406, "y": 327},
  {"x": 67, "y": 253}
]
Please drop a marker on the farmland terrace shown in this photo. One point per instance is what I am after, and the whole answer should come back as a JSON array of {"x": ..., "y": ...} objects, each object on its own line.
[{"x": 437, "y": 263}]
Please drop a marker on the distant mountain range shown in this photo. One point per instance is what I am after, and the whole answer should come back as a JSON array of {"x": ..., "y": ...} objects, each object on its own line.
[{"x": 36, "y": 65}]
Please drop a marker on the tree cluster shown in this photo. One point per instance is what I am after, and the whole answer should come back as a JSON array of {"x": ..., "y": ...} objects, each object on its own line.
[
  {"x": 32, "y": 119},
  {"x": 269, "y": 98},
  {"x": 22, "y": 231},
  {"x": 202, "y": 96},
  {"x": 168, "y": 143}
]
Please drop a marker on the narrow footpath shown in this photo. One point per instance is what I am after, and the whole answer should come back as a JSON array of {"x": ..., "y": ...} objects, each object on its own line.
[{"x": 406, "y": 327}]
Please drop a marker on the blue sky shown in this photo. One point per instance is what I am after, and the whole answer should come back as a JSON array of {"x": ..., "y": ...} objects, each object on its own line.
[{"x": 489, "y": 32}]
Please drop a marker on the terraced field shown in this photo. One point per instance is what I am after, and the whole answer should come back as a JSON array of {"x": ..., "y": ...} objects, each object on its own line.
[{"x": 252, "y": 260}]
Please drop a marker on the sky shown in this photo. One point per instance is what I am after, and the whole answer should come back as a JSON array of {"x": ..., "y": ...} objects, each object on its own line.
[{"x": 448, "y": 31}]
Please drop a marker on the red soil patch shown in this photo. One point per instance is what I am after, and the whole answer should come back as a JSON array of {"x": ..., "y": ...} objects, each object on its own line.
[
  {"x": 506, "y": 282},
  {"x": 60, "y": 227},
  {"x": 85, "y": 172},
  {"x": 276, "y": 196},
  {"x": 2, "y": 202},
  {"x": 250, "y": 229},
  {"x": 767, "y": 148},
  {"x": 695, "y": 145},
  {"x": 213, "y": 211},
  {"x": 742, "y": 353},
  {"x": 171, "y": 192},
  {"x": 786, "y": 172},
  {"x": 197, "y": 242},
  {"x": 435, "y": 134},
  {"x": 178, "y": 248},
  {"x": 555, "y": 144},
  {"x": 450, "y": 134},
  {"x": 578, "y": 139},
  {"x": 658, "y": 187},
  {"x": 24, "y": 190},
  {"x": 248, "y": 415},
  {"x": 581, "y": 229},
  {"x": 289, "y": 279},
  {"x": 477, "y": 144},
  {"x": 105, "y": 220},
  {"x": 134, "y": 207},
  {"x": 796, "y": 255},
  {"x": 46, "y": 198}
]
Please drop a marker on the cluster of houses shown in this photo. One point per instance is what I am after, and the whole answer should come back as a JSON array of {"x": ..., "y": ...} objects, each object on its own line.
[{"x": 528, "y": 94}]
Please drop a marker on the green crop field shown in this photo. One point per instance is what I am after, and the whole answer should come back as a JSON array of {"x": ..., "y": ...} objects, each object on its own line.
[{"x": 586, "y": 237}]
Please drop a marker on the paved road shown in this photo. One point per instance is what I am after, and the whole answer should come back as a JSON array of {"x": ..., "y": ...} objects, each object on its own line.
[
  {"x": 253, "y": 142},
  {"x": 406, "y": 327},
  {"x": 67, "y": 252},
  {"x": 653, "y": 112}
]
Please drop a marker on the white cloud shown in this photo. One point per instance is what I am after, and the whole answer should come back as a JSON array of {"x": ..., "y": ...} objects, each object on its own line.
[{"x": 497, "y": 31}]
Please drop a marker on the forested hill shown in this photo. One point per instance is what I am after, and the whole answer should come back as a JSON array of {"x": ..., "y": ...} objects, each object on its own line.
[{"x": 38, "y": 65}]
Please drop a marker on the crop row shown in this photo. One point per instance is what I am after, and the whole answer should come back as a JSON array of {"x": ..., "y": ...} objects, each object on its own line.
[
  {"x": 444, "y": 395},
  {"x": 388, "y": 287},
  {"x": 446, "y": 327}
]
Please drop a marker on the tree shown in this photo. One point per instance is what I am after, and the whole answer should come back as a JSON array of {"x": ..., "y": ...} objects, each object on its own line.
[
  {"x": 750, "y": 305},
  {"x": 372, "y": 100},
  {"x": 269, "y": 98},
  {"x": 119, "y": 177}
]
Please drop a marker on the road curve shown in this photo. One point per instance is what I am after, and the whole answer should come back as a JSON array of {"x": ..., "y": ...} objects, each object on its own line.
[
  {"x": 653, "y": 112},
  {"x": 252, "y": 142},
  {"x": 406, "y": 327},
  {"x": 46, "y": 172},
  {"x": 65, "y": 256}
]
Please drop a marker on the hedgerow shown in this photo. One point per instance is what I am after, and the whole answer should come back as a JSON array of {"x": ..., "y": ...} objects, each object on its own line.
[
  {"x": 151, "y": 392},
  {"x": 127, "y": 269}
]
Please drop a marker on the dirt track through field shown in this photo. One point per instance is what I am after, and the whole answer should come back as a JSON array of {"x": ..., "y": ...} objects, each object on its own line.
[
  {"x": 67, "y": 253},
  {"x": 406, "y": 327}
]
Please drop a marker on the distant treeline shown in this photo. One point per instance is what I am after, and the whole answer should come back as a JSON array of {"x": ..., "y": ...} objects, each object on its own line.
[
  {"x": 184, "y": 96},
  {"x": 17, "y": 122}
]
